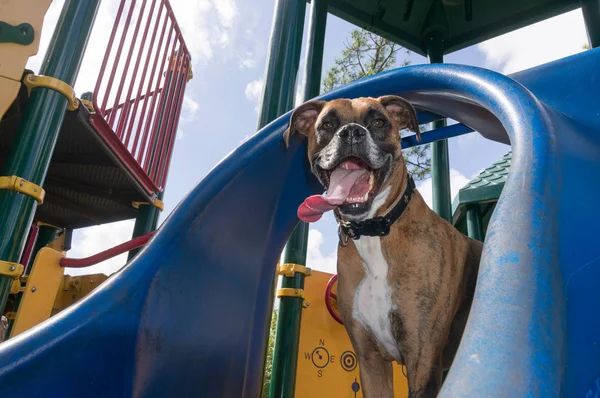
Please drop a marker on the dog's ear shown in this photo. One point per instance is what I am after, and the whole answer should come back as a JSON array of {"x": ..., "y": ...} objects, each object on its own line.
[
  {"x": 403, "y": 113},
  {"x": 303, "y": 117}
]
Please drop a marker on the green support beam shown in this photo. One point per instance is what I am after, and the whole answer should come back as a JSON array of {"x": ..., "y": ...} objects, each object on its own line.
[
  {"x": 285, "y": 357},
  {"x": 283, "y": 60},
  {"x": 146, "y": 221},
  {"x": 591, "y": 15},
  {"x": 474, "y": 223},
  {"x": 440, "y": 160},
  {"x": 35, "y": 140}
]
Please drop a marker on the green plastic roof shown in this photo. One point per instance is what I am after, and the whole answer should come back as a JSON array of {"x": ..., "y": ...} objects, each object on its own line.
[
  {"x": 487, "y": 185},
  {"x": 483, "y": 189},
  {"x": 461, "y": 23}
]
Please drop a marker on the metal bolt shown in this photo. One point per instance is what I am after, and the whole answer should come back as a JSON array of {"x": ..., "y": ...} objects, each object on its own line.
[
  {"x": 33, "y": 289},
  {"x": 307, "y": 304},
  {"x": 30, "y": 77},
  {"x": 77, "y": 282},
  {"x": 12, "y": 268},
  {"x": 34, "y": 189}
]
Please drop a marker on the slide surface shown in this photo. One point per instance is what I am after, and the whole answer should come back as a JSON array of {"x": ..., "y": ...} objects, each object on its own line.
[{"x": 188, "y": 316}]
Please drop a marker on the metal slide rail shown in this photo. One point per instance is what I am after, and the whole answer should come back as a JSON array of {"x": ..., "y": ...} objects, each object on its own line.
[{"x": 140, "y": 87}]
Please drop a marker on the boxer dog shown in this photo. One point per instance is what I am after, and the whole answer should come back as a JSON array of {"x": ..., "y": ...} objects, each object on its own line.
[{"x": 406, "y": 277}]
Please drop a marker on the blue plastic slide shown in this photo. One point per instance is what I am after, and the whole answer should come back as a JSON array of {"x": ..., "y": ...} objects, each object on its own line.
[{"x": 187, "y": 317}]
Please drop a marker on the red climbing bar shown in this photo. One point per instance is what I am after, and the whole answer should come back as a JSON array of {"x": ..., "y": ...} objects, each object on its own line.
[{"x": 106, "y": 254}]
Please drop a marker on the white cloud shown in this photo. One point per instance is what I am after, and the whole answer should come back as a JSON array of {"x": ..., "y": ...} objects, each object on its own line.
[
  {"x": 92, "y": 240},
  {"x": 227, "y": 11},
  {"x": 457, "y": 181},
  {"x": 248, "y": 61},
  {"x": 190, "y": 108},
  {"x": 180, "y": 134},
  {"x": 316, "y": 259},
  {"x": 206, "y": 24},
  {"x": 254, "y": 92},
  {"x": 536, "y": 44}
]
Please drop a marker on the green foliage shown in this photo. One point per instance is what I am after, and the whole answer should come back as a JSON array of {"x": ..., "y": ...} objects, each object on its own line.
[
  {"x": 269, "y": 360},
  {"x": 366, "y": 54}
]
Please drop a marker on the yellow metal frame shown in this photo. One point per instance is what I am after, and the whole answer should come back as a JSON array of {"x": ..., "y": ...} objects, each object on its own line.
[
  {"x": 32, "y": 81},
  {"x": 88, "y": 104},
  {"x": 39, "y": 295},
  {"x": 291, "y": 292},
  {"x": 12, "y": 270},
  {"x": 157, "y": 203},
  {"x": 290, "y": 270},
  {"x": 18, "y": 184}
]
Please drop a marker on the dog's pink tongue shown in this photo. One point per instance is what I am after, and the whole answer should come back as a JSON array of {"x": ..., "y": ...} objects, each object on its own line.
[{"x": 347, "y": 178}]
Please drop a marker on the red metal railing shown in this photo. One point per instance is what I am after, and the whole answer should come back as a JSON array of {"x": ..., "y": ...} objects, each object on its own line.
[
  {"x": 106, "y": 254},
  {"x": 140, "y": 87}
]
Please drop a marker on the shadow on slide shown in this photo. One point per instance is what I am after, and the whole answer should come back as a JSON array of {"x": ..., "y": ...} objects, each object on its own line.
[{"x": 188, "y": 316}]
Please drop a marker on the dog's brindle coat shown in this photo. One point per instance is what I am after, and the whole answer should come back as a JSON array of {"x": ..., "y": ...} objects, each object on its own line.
[{"x": 406, "y": 296}]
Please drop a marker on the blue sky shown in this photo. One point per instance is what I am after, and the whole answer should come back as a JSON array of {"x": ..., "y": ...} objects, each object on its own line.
[{"x": 228, "y": 40}]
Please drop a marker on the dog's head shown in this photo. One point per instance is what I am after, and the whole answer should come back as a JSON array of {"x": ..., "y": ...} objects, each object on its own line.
[{"x": 353, "y": 146}]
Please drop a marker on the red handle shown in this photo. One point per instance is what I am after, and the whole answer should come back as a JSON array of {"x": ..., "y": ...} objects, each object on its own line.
[
  {"x": 106, "y": 254},
  {"x": 328, "y": 296}
]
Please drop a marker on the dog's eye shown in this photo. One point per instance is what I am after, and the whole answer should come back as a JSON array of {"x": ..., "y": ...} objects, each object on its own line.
[
  {"x": 326, "y": 125},
  {"x": 378, "y": 123}
]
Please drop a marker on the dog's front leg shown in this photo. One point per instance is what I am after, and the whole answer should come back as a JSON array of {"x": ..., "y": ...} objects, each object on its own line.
[
  {"x": 376, "y": 374},
  {"x": 424, "y": 374}
]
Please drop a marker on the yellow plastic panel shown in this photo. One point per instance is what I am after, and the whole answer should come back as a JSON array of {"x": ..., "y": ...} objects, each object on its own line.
[
  {"x": 74, "y": 288},
  {"x": 327, "y": 365},
  {"x": 15, "y": 12},
  {"x": 40, "y": 293}
]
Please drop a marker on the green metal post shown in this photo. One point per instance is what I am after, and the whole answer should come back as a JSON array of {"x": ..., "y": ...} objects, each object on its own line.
[
  {"x": 440, "y": 161},
  {"x": 285, "y": 356},
  {"x": 474, "y": 223},
  {"x": 146, "y": 221},
  {"x": 35, "y": 140},
  {"x": 283, "y": 60},
  {"x": 46, "y": 235},
  {"x": 591, "y": 15}
]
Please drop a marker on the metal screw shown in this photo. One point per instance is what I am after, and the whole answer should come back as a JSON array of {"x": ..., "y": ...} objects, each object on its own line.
[
  {"x": 33, "y": 289},
  {"x": 77, "y": 282},
  {"x": 307, "y": 304},
  {"x": 12, "y": 268},
  {"x": 30, "y": 77},
  {"x": 34, "y": 189}
]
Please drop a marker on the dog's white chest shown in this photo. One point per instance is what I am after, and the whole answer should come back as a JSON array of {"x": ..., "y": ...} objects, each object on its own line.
[{"x": 373, "y": 297}]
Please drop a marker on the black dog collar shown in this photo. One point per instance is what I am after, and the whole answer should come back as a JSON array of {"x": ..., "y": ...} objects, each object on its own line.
[{"x": 376, "y": 226}]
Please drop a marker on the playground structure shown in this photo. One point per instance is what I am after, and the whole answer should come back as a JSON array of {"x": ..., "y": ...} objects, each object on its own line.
[
  {"x": 111, "y": 148},
  {"x": 189, "y": 315}
]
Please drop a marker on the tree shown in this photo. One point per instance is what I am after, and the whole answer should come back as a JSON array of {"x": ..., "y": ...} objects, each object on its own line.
[
  {"x": 366, "y": 54},
  {"x": 269, "y": 360}
]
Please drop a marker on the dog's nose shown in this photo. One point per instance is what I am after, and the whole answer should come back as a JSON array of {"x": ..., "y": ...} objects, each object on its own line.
[{"x": 352, "y": 132}]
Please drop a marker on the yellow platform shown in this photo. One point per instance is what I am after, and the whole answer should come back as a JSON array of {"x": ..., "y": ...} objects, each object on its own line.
[{"x": 327, "y": 366}]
